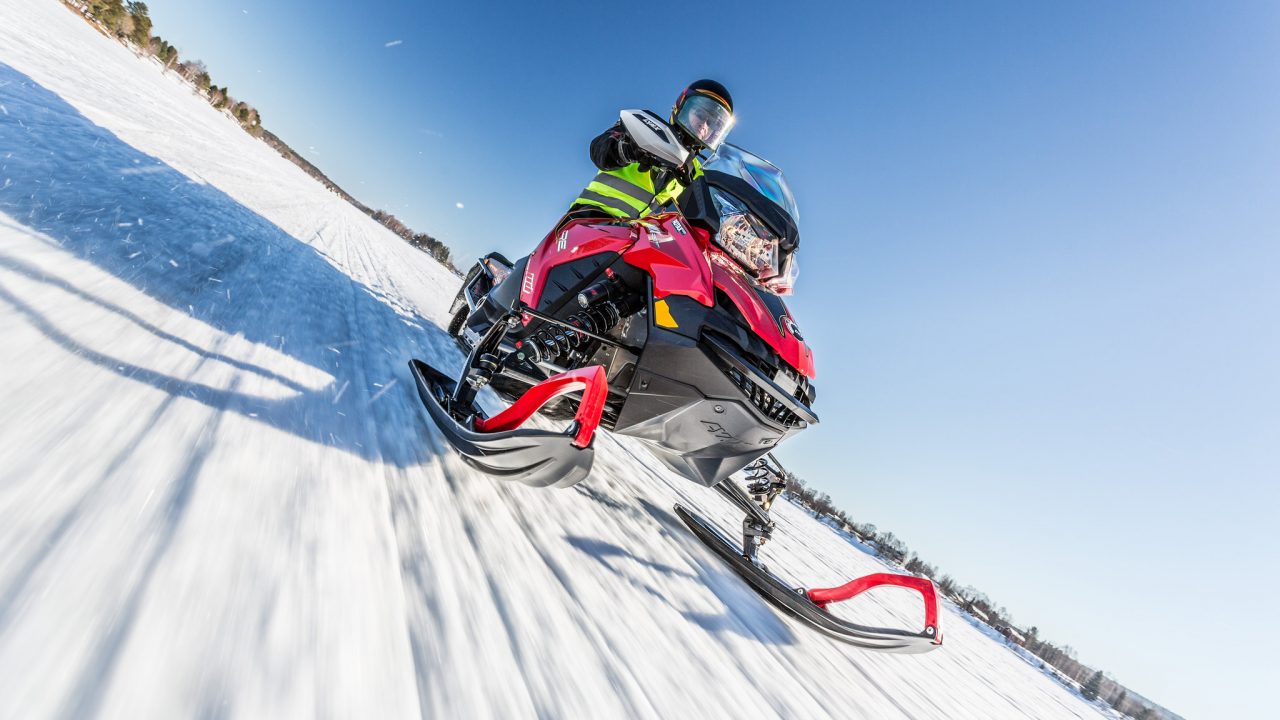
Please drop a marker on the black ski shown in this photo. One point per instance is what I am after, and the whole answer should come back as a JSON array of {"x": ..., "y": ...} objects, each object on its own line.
[{"x": 796, "y": 602}]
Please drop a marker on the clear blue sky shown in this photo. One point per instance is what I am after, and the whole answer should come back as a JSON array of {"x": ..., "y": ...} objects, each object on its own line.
[{"x": 1040, "y": 259}]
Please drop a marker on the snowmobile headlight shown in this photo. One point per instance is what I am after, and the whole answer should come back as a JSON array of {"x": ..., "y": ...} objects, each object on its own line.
[{"x": 746, "y": 239}]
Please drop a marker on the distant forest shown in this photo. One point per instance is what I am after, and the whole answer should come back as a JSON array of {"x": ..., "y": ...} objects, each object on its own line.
[
  {"x": 1060, "y": 661},
  {"x": 130, "y": 23}
]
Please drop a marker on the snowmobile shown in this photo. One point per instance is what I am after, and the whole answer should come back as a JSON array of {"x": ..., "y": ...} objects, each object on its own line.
[{"x": 655, "y": 329}]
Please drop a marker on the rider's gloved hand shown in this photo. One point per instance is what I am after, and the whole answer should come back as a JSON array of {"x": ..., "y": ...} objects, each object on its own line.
[
  {"x": 627, "y": 152},
  {"x": 684, "y": 173},
  {"x": 645, "y": 159}
]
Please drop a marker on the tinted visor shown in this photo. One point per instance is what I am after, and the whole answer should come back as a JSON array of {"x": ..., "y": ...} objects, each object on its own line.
[{"x": 705, "y": 119}]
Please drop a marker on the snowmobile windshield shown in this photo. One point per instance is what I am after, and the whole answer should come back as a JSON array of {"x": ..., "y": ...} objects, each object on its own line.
[
  {"x": 761, "y": 174},
  {"x": 751, "y": 230},
  {"x": 706, "y": 120}
]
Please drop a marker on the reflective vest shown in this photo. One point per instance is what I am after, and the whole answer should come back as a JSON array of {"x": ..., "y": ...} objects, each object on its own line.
[{"x": 629, "y": 194}]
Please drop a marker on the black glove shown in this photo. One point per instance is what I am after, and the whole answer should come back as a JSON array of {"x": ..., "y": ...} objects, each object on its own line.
[
  {"x": 684, "y": 173},
  {"x": 627, "y": 151}
]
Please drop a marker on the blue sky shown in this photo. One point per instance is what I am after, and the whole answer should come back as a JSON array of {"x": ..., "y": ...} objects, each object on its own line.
[{"x": 1040, "y": 263}]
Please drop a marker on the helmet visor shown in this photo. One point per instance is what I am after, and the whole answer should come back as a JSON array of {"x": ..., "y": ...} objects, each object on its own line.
[{"x": 705, "y": 119}]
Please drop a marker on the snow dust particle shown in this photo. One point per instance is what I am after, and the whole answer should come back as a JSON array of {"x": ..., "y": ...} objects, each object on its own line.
[
  {"x": 383, "y": 391},
  {"x": 458, "y": 205},
  {"x": 393, "y": 43}
]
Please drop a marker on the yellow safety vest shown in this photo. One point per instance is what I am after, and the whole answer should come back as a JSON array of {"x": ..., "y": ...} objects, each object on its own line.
[{"x": 629, "y": 194}]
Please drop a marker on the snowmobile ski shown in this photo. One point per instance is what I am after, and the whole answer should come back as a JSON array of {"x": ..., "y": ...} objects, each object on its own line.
[
  {"x": 499, "y": 446},
  {"x": 809, "y": 606}
]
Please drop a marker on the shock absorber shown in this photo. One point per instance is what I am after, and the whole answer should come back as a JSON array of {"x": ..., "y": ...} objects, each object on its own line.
[{"x": 551, "y": 341}]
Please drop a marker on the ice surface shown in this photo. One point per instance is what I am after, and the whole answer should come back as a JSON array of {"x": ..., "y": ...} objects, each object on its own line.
[{"x": 219, "y": 495}]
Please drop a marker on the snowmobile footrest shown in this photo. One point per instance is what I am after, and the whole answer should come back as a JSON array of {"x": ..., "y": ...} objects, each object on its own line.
[
  {"x": 796, "y": 602},
  {"x": 499, "y": 446}
]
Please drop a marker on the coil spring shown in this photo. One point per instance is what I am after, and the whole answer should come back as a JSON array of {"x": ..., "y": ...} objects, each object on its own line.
[
  {"x": 552, "y": 341},
  {"x": 764, "y": 479}
]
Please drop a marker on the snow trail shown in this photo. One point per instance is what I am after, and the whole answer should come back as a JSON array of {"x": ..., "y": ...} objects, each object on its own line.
[{"x": 219, "y": 494}]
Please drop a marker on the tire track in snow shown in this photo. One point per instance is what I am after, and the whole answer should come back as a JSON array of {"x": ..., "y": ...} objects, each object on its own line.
[{"x": 95, "y": 680}]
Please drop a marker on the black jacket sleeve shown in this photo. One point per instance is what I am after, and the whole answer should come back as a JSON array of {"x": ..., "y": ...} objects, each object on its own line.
[{"x": 604, "y": 149}]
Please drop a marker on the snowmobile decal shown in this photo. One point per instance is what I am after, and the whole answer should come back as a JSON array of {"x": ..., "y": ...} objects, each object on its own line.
[
  {"x": 579, "y": 243},
  {"x": 662, "y": 315},
  {"x": 677, "y": 268},
  {"x": 789, "y": 325}
]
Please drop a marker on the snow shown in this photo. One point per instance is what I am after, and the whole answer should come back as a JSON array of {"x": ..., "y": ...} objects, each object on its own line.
[{"x": 219, "y": 495}]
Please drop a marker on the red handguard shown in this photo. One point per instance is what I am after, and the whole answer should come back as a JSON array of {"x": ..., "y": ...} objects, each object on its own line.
[
  {"x": 594, "y": 385},
  {"x": 825, "y": 596}
]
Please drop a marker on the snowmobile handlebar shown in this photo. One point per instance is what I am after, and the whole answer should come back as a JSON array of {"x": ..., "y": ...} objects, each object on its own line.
[{"x": 632, "y": 152}]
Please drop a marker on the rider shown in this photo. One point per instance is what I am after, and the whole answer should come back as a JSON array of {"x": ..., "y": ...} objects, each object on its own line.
[{"x": 624, "y": 188}]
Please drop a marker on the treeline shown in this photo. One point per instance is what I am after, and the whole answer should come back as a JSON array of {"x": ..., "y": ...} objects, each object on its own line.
[
  {"x": 130, "y": 23},
  {"x": 422, "y": 241},
  {"x": 1061, "y": 661}
]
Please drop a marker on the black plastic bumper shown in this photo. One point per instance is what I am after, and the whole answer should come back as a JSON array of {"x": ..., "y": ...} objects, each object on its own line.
[{"x": 705, "y": 410}]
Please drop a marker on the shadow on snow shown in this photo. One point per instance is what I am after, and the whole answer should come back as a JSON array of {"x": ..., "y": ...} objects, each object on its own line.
[{"x": 85, "y": 188}]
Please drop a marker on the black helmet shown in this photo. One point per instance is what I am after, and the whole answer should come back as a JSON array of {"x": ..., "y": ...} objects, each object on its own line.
[{"x": 704, "y": 111}]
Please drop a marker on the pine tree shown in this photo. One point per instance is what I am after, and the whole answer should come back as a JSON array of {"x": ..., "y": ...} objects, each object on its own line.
[
  {"x": 141, "y": 31},
  {"x": 1090, "y": 689}
]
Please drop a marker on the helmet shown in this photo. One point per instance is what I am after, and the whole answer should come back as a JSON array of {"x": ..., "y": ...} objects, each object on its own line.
[{"x": 704, "y": 112}]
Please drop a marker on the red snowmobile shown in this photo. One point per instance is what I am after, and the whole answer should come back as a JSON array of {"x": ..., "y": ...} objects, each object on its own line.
[{"x": 655, "y": 329}]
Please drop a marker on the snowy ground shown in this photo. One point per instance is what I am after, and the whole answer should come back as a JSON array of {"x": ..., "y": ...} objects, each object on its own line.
[{"x": 219, "y": 495}]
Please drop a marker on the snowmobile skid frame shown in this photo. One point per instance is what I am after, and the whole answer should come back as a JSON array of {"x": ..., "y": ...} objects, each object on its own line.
[
  {"x": 809, "y": 606},
  {"x": 498, "y": 445}
]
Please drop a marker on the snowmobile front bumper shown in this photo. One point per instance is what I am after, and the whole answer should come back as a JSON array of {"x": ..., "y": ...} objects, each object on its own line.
[
  {"x": 706, "y": 410},
  {"x": 809, "y": 607},
  {"x": 499, "y": 446}
]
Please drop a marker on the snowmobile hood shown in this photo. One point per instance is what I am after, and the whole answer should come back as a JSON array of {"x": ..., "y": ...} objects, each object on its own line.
[
  {"x": 577, "y": 239},
  {"x": 681, "y": 262},
  {"x": 764, "y": 312}
]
